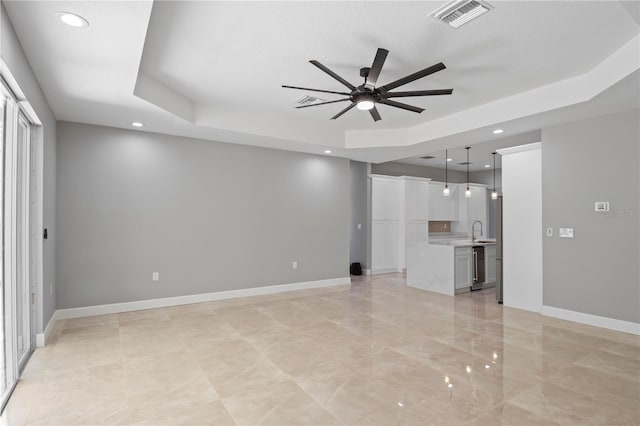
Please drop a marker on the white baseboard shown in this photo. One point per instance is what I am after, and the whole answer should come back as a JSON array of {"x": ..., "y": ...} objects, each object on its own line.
[
  {"x": 384, "y": 271},
  {"x": 367, "y": 271},
  {"x": 114, "y": 308},
  {"x": 41, "y": 338},
  {"x": 594, "y": 320}
]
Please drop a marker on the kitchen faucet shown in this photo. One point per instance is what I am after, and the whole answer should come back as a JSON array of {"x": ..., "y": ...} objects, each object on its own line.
[{"x": 473, "y": 230}]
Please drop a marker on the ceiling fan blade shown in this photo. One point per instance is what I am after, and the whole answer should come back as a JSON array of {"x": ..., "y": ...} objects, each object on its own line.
[
  {"x": 316, "y": 90},
  {"x": 333, "y": 74},
  {"x": 418, "y": 93},
  {"x": 343, "y": 111},
  {"x": 400, "y": 105},
  {"x": 415, "y": 76},
  {"x": 324, "y": 103},
  {"x": 375, "y": 114},
  {"x": 376, "y": 67}
]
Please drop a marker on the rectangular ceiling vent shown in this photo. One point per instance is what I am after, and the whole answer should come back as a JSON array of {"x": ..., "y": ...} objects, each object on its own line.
[
  {"x": 428, "y": 157},
  {"x": 308, "y": 100},
  {"x": 465, "y": 163},
  {"x": 459, "y": 12}
]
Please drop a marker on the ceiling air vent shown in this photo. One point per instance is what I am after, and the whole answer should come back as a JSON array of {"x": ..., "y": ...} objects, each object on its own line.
[
  {"x": 428, "y": 157},
  {"x": 308, "y": 100},
  {"x": 459, "y": 12},
  {"x": 465, "y": 163}
]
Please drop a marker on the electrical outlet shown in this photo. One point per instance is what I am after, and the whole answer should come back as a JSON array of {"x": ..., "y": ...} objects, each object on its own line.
[
  {"x": 155, "y": 276},
  {"x": 51, "y": 288},
  {"x": 294, "y": 265},
  {"x": 549, "y": 232}
]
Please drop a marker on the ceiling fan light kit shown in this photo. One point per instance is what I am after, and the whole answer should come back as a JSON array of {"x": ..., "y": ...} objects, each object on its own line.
[{"x": 367, "y": 95}]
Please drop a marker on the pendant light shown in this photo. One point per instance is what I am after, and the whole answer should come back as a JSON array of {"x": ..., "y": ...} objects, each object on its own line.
[
  {"x": 467, "y": 193},
  {"x": 494, "y": 194},
  {"x": 445, "y": 191}
]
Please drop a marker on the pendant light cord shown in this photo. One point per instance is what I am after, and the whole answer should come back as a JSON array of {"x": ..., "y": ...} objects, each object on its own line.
[
  {"x": 446, "y": 167},
  {"x": 468, "y": 148},
  {"x": 494, "y": 171}
]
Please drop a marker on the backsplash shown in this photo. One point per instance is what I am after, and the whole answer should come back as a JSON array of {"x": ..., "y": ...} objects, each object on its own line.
[{"x": 439, "y": 226}]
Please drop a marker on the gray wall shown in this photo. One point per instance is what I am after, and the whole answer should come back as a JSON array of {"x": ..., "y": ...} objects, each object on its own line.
[
  {"x": 392, "y": 168},
  {"x": 597, "y": 271},
  {"x": 207, "y": 216},
  {"x": 359, "y": 213},
  {"x": 13, "y": 55}
]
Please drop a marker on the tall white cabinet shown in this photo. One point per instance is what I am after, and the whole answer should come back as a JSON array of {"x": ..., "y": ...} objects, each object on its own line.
[
  {"x": 399, "y": 217},
  {"x": 385, "y": 224},
  {"x": 414, "y": 214}
]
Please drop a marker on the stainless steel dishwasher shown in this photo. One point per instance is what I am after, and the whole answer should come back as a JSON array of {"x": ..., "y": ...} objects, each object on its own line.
[{"x": 478, "y": 268}]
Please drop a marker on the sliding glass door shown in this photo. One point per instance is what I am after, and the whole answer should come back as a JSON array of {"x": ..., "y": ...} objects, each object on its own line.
[
  {"x": 3, "y": 363},
  {"x": 17, "y": 296},
  {"x": 23, "y": 296}
]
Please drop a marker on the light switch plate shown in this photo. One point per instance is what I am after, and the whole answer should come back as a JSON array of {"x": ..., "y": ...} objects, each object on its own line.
[
  {"x": 601, "y": 206},
  {"x": 549, "y": 232},
  {"x": 565, "y": 232}
]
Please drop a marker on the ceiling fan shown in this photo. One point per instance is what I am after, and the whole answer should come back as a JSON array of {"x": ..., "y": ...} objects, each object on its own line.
[{"x": 367, "y": 95}]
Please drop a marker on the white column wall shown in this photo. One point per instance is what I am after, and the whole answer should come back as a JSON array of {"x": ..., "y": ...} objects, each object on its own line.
[{"x": 522, "y": 226}]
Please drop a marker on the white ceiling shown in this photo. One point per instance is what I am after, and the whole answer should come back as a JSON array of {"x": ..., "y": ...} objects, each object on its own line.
[{"x": 213, "y": 70}]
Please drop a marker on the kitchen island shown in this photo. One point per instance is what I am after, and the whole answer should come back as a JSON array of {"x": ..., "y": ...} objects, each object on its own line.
[{"x": 449, "y": 267}]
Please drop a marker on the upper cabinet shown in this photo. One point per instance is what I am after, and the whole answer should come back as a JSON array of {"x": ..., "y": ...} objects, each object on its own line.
[
  {"x": 471, "y": 209},
  {"x": 441, "y": 207},
  {"x": 399, "y": 216},
  {"x": 477, "y": 205},
  {"x": 416, "y": 196},
  {"x": 385, "y": 199}
]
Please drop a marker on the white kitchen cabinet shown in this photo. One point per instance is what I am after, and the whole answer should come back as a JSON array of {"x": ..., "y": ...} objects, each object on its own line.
[
  {"x": 392, "y": 200},
  {"x": 385, "y": 199},
  {"x": 441, "y": 207},
  {"x": 399, "y": 217},
  {"x": 462, "y": 267},
  {"x": 378, "y": 235},
  {"x": 414, "y": 214},
  {"x": 471, "y": 209},
  {"x": 378, "y": 199},
  {"x": 416, "y": 200},
  {"x": 391, "y": 246},
  {"x": 477, "y": 204},
  {"x": 385, "y": 224},
  {"x": 490, "y": 264},
  {"x": 384, "y": 246}
]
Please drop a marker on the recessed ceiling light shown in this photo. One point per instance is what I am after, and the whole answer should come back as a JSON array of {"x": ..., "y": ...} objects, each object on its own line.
[
  {"x": 72, "y": 19},
  {"x": 486, "y": 166},
  {"x": 497, "y": 131},
  {"x": 137, "y": 124},
  {"x": 449, "y": 159},
  {"x": 327, "y": 151}
]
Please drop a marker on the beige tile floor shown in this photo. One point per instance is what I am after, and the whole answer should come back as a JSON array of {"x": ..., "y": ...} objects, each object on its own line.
[{"x": 372, "y": 353}]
